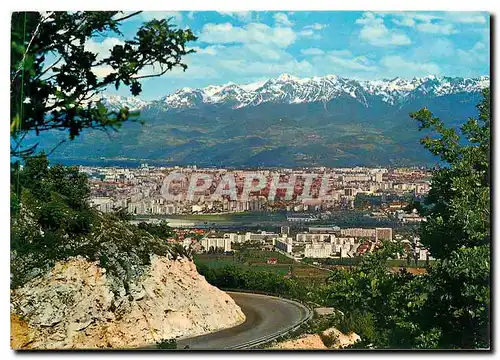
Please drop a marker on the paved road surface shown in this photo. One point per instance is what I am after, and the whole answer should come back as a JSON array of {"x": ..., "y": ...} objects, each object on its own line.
[{"x": 265, "y": 316}]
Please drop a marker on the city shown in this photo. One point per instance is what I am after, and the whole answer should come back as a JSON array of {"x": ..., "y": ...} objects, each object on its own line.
[{"x": 138, "y": 192}]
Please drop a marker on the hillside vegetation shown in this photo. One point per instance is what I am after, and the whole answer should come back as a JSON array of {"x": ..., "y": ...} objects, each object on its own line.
[{"x": 51, "y": 221}]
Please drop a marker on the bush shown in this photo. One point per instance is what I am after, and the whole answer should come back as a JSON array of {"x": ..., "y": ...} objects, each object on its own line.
[
  {"x": 51, "y": 221},
  {"x": 167, "y": 344}
]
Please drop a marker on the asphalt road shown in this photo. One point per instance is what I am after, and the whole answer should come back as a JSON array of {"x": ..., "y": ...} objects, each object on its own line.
[{"x": 266, "y": 317}]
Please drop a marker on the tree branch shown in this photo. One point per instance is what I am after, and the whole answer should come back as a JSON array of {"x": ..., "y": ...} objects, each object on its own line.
[
  {"x": 35, "y": 33},
  {"x": 128, "y": 16},
  {"x": 47, "y": 69}
]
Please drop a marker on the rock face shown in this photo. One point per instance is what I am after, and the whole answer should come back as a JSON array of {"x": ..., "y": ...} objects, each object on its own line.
[
  {"x": 73, "y": 307},
  {"x": 340, "y": 340},
  {"x": 306, "y": 342},
  {"x": 336, "y": 340}
]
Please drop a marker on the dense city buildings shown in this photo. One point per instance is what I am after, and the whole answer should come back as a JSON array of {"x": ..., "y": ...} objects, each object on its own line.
[
  {"x": 301, "y": 192},
  {"x": 316, "y": 244},
  {"x": 306, "y": 196}
]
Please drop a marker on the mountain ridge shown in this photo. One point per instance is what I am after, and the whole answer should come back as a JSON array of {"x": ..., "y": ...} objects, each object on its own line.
[
  {"x": 288, "y": 89},
  {"x": 284, "y": 121}
]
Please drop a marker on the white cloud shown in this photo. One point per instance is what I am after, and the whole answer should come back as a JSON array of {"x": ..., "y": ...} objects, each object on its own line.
[
  {"x": 376, "y": 33},
  {"x": 312, "y": 51},
  {"x": 369, "y": 18},
  {"x": 466, "y": 17},
  {"x": 306, "y": 33},
  {"x": 237, "y": 61},
  {"x": 267, "y": 52},
  {"x": 300, "y": 68},
  {"x": 282, "y": 19},
  {"x": 404, "y": 21},
  {"x": 102, "y": 71},
  {"x": 408, "y": 18},
  {"x": 398, "y": 66},
  {"x": 456, "y": 17},
  {"x": 316, "y": 26},
  {"x": 436, "y": 23},
  {"x": 345, "y": 60},
  {"x": 102, "y": 49},
  {"x": 209, "y": 50},
  {"x": 310, "y": 31},
  {"x": 476, "y": 55},
  {"x": 194, "y": 71},
  {"x": 340, "y": 52},
  {"x": 249, "y": 34},
  {"x": 436, "y": 48},
  {"x": 479, "y": 46},
  {"x": 436, "y": 28},
  {"x": 244, "y": 16}
]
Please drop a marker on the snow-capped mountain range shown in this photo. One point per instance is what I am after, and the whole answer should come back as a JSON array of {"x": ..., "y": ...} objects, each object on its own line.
[
  {"x": 288, "y": 89},
  {"x": 286, "y": 121}
]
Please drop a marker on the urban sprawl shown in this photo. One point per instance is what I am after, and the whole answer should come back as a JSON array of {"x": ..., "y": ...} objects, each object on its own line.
[{"x": 153, "y": 194}]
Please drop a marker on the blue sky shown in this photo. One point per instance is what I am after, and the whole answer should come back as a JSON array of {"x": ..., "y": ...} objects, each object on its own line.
[{"x": 245, "y": 47}]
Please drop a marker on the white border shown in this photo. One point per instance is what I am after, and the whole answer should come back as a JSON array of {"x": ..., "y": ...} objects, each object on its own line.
[{"x": 228, "y": 5}]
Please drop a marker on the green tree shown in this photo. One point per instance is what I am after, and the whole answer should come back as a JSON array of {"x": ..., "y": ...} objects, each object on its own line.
[
  {"x": 54, "y": 77},
  {"x": 458, "y": 204},
  {"x": 161, "y": 229},
  {"x": 57, "y": 196},
  {"x": 457, "y": 232}
]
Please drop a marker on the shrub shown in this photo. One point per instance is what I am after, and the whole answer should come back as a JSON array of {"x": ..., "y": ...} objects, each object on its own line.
[{"x": 167, "y": 344}]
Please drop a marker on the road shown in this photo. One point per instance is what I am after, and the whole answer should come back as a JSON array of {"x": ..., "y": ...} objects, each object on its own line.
[{"x": 267, "y": 317}]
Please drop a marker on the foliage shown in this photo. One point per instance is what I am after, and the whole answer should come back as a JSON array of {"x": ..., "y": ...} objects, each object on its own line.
[
  {"x": 57, "y": 196},
  {"x": 51, "y": 220},
  {"x": 457, "y": 230},
  {"x": 458, "y": 299},
  {"x": 56, "y": 78},
  {"x": 237, "y": 277},
  {"x": 161, "y": 229},
  {"x": 166, "y": 344},
  {"x": 458, "y": 204},
  {"x": 122, "y": 214}
]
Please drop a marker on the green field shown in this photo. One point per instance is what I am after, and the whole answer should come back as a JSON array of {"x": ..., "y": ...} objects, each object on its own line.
[
  {"x": 244, "y": 257},
  {"x": 355, "y": 261},
  {"x": 257, "y": 260}
]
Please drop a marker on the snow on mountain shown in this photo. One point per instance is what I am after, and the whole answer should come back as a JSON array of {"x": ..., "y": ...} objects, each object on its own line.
[
  {"x": 115, "y": 102},
  {"x": 289, "y": 89},
  {"x": 253, "y": 86}
]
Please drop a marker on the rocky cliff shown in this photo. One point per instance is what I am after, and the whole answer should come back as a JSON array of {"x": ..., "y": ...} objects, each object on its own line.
[
  {"x": 330, "y": 338},
  {"x": 77, "y": 305}
]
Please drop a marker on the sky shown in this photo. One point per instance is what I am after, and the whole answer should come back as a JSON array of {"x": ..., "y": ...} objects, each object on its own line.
[{"x": 244, "y": 47}]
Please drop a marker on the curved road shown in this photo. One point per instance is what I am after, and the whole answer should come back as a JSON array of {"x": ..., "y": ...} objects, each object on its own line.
[{"x": 267, "y": 317}]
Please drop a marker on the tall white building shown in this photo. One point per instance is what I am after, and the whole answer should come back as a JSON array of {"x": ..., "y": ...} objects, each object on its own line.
[
  {"x": 318, "y": 250},
  {"x": 224, "y": 243}
]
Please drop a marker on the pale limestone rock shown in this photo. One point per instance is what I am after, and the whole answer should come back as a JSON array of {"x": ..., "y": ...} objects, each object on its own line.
[
  {"x": 341, "y": 340},
  {"x": 315, "y": 341},
  {"x": 304, "y": 342},
  {"x": 72, "y": 306}
]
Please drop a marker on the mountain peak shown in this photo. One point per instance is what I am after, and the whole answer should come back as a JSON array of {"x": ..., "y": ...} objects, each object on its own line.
[
  {"x": 287, "y": 77},
  {"x": 289, "y": 89}
]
